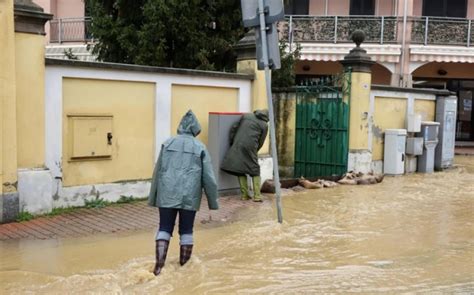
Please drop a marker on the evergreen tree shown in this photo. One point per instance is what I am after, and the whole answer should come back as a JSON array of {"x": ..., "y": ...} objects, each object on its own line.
[
  {"x": 196, "y": 34},
  {"x": 286, "y": 76}
]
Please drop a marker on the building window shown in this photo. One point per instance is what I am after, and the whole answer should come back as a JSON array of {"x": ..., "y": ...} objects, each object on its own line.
[
  {"x": 445, "y": 8},
  {"x": 362, "y": 7},
  {"x": 297, "y": 7}
]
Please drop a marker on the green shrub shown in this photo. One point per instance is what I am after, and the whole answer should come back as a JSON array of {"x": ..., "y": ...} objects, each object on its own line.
[
  {"x": 97, "y": 202},
  {"x": 24, "y": 216}
]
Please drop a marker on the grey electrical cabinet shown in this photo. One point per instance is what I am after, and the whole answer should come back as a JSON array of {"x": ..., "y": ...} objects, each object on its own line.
[
  {"x": 218, "y": 145},
  {"x": 429, "y": 132},
  {"x": 446, "y": 107}
]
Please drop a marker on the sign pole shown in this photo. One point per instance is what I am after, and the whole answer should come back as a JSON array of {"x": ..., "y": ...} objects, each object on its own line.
[{"x": 276, "y": 175}]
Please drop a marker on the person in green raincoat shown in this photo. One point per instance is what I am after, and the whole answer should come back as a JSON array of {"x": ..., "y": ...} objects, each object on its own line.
[
  {"x": 182, "y": 171},
  {"x": 246, "y": 138}
]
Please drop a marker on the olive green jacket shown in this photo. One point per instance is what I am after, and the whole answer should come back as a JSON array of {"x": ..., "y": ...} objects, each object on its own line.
[
  {"x": 183, "y": 170},
  {"x": 246, "y": 138}
]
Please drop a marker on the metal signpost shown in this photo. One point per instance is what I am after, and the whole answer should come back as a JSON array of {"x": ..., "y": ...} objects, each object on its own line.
[{"x": 259, "y": 15}]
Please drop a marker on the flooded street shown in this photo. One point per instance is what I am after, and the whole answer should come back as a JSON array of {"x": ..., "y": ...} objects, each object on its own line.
[{"x": 408, "y": 234}]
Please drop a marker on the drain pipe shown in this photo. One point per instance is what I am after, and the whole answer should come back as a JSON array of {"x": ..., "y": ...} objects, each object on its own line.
[{"x": 402, "y": 66}]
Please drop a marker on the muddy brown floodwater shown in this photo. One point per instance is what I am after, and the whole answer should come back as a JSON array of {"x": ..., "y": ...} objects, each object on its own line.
[{"x": 408, "y": 234}]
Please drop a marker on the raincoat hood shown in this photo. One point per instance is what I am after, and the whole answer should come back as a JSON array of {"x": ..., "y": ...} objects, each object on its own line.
[
  {"x": 262, "y": 115},
  {"x": 189, "y": 125}
]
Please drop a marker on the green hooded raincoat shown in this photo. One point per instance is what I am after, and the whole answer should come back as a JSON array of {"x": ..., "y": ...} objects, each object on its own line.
[
  {"x": 246, "y": 138},
  {"x": 183, "y": 169}
]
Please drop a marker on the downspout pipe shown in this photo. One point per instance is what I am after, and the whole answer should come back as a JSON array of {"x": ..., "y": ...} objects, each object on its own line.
[{"x": 402, "y": 66}]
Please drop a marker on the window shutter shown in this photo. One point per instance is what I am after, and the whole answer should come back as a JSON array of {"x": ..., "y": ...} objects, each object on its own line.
[
  {"x": 433, "y": 7},
  {"x": 445, "y": 8},
  {"x": 457, "y": 8},
  {"x": 362, "y": 7}
]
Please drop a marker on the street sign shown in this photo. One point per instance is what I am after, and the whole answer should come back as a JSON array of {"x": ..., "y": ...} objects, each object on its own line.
[
  {"x": 263, "y": 14},
  {"x": 274, "y": 11},
  {"x": 273, "y": 48}
]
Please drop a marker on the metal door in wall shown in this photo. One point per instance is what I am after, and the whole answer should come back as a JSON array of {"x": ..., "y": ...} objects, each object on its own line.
[{"x": 322, "y": 127}]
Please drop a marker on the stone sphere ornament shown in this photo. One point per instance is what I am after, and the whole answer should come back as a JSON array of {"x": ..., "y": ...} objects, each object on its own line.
[{"x": 358, "y": 36}]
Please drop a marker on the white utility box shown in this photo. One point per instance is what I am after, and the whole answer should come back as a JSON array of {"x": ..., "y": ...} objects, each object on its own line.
[
  {"x": 446, "y": 114},
  {"x": 414, "y": 123},
  {"x": 394, "y": 151},
  {"x": 414, "y": 146}
]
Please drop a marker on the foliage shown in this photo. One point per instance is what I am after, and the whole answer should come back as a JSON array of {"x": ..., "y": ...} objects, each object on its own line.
[
  {"x": 125, "y": 200},
  {"x": 24, "y": 216},
  {"x": 61, "y": 210},
  {"x": 131, "y": 199},
  {"x": 285, "y": 76},
  {"x": 185, "y": 34},
  {"x": 69, "y": 54},
  {"x": 97, "y": 202}
]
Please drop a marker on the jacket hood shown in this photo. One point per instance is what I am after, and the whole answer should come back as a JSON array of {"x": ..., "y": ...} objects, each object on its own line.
[
  {"x": 189, "y": 125},
  {"x": 262, "y": 115}
]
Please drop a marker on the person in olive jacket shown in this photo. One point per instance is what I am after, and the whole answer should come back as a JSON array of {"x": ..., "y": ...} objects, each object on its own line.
[
  {"x": 182, "y": 171},
  {"x": 246, "y": 138}
]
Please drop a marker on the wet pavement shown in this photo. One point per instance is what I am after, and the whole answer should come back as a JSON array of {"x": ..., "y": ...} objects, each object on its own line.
[
  {"x": 464, "y": 151},
  {"x": 408, "y": 234},
  {"x": 111, "y": 219}
]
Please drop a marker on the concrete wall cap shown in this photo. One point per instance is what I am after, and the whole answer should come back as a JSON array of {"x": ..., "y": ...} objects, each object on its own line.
[
  {"x": 147, "y": 69},
  {"x": 413, "y": 90}
]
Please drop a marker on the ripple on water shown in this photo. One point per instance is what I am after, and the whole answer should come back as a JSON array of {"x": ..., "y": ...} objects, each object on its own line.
[{"x": 408, "y": 234}]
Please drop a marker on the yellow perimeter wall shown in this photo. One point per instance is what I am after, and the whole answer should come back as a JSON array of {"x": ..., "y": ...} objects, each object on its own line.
[
  {"x": 426, "y": 108},
  {"x": 202, "y": 100},
  {"x": 359, "y": 104},
  {"x": 30, "y": 72},
  {"x": 132, "y": 106},
  {"x": 8, "y": 145},
  {"x": 390, "y": 113}
]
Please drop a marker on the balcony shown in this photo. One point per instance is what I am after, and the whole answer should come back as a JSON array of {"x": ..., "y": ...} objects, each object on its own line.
[
  {"x": 338, "y": 29},
  {"x": 442, "y": 31},
  {"x": 70, "y": 30},
  {"x": 378, "y": 29}
]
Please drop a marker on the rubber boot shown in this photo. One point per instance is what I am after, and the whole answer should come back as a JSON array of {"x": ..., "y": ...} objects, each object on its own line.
[
  {"x": 244, "y": 188},
  {"x": 161, "y": 251},
  {"x": 185, "y": 252},
  {"x": 257, "y": 195}
]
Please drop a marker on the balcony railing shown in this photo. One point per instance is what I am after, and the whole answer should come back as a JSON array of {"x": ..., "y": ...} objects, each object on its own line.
[
  {"x": 70, "y": 30},
  {"x": 378, "y": 29},
  {"x": 338, "y": 29},
  {"x": 442, "y": 31}
]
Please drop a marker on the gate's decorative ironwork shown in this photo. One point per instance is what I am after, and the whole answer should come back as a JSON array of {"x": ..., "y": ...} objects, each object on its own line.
[{"x": 322, "y": 126}]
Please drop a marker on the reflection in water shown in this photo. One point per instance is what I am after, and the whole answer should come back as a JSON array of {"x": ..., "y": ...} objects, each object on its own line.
[{"x": 411, "y": 233}]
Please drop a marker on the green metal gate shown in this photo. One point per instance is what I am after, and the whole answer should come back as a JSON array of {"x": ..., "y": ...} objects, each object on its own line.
[{"x": 322, "y": 123}]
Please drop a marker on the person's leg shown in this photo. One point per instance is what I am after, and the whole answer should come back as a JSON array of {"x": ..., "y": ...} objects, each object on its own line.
[
  {"x": 163, "y": 236},
  {"x": 244, "y": 188},
  {"x": 257, "y": 195},
  {"x": 186, "y": 225}
]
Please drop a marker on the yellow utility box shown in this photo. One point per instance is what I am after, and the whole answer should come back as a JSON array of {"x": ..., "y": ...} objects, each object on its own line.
[{"x": 90, "y": 136}]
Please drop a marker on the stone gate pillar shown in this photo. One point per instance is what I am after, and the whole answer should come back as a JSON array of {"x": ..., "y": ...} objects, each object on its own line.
[
  {"x": 247, "y": 64},
  {"x": 21, "y": 99},
  {"x": 359, "y": 64},
  {"x": 8, "y": 140}
]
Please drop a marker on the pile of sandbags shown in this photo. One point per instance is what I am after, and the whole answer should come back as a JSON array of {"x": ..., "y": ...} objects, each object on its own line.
[
  {"x": 353, "y": 178},
  {"x": 298, "y": 185},
  {"x": 320, "y": 183}
]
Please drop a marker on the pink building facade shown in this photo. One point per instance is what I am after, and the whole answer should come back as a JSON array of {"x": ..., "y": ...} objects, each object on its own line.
[
  {"x": 69, "y": 23},
  {"x": 415, "y": 43},
  {"x": 68, "y": 33}
]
